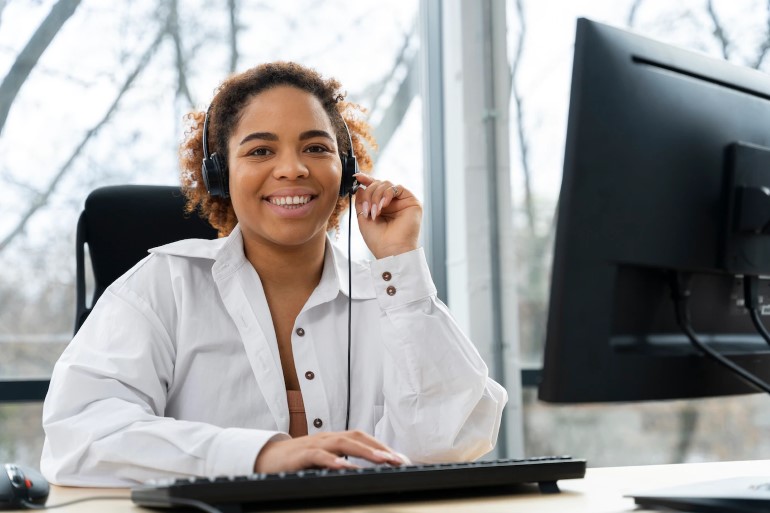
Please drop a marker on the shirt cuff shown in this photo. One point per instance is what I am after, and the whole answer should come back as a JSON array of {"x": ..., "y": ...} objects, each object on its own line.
[
  {"x": 402, "y": 279},
  {"x": 235, "y": 451}
]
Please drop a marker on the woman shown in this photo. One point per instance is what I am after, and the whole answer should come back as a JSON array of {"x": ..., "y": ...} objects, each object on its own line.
[{"x": 216, "y": 357}]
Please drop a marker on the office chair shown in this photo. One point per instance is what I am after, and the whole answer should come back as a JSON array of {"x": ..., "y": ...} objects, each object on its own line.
[{"x": 119, "y": 224}]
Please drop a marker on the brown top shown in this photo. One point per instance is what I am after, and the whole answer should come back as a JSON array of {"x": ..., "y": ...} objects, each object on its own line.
[{"x": 297, "y": 419}]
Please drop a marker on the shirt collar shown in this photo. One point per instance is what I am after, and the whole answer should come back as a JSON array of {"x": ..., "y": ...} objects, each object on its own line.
[{"x": 228, "y": 256}]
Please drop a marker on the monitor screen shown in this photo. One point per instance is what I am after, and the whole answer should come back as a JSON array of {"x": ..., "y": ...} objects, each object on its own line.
[{"x": 660, "y": 142}]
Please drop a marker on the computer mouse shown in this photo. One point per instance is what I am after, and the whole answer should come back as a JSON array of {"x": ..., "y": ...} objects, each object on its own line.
[{"x": 20, "y": 486}]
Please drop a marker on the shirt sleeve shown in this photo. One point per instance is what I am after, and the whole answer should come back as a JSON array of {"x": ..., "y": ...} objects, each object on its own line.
[
  {"x": 104, "y": 412},
  {"x": 440, "y": 404}
]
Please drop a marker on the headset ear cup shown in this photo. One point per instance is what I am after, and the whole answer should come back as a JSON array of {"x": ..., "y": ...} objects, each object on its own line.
[
  {"x": 207, "y": 172},
  {"x": 215, "y": 176},
  {"x": 349, "y": 168},
  {"x": 224, "y": 176}
]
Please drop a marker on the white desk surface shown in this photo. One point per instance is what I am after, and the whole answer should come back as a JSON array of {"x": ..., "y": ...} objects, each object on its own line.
[{"x": 601, "y": 491}]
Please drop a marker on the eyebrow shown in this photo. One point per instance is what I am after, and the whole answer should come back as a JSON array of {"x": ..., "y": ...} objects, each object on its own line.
[
  {"x": 315, "y": 133},
  {"x": 269, "y": 136}
]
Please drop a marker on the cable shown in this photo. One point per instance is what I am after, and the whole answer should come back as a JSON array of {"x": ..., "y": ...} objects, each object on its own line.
[
  {"x": 350, "y": 297},
  {"x": 680, "y": 293},
  {"x": 32, "y": 505},
  {"x": 751, "y": 301},
  {"x": 174, "y": 501}
]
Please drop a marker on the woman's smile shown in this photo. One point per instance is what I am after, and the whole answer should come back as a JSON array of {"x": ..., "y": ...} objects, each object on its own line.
[{"x": 288, "y": 203}]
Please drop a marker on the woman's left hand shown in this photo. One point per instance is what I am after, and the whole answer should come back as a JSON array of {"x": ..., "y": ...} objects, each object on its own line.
[{"x": 389, "y": 217}]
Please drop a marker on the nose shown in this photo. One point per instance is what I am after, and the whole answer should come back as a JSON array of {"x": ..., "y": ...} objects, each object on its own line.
[{"x": 289, "y": 166}]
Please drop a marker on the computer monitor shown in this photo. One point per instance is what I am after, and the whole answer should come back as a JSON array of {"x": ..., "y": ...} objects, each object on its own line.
[{"x": 661, "y": 143}]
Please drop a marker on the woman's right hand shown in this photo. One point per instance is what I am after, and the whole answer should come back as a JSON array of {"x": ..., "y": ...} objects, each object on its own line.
[{"x": 324, "y": 450}]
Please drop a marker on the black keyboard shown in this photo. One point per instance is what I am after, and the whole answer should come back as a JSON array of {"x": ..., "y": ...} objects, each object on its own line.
[{"x": 382, "y": 483}]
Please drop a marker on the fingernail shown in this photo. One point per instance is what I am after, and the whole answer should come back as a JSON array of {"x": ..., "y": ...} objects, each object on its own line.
[
  {"x": 345, "y": 463},
  {"x": 381, "y": 203},
  {"x": 387, "y": 456},
  {"x": 366, "y": 209},
  {"x": 374, "y": 212},
  {"x": 404, "y": 458}
]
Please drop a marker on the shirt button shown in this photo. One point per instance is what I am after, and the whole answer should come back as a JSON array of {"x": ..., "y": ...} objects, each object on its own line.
[
  {"x": 391, "y": 290},
  {"x": 386, "y": 276},
  {"x": 318, "y": 423},
  {"x": 300, "y": 332},
  {"x": 309, "y": 375}
]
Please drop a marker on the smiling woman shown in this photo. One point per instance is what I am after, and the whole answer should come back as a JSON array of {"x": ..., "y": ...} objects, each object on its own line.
[
  {"x": 229, "y": 356},
  {"x": 298, "y": 157}
]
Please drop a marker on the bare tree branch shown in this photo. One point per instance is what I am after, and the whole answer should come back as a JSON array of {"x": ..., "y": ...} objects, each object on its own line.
[
  {"x": 31, "y": 53},
  {"x": 233, "y": 8},
  {"x": 42, "y": 198},
  {"x": 521, "y": 132},
  {"x": 394, "y": 113},
  {"x": 9, "y": 179},
  {"x": 340, "y": 36},
  {"x": 181, "y": 64},
  {"x": 718, "y": 32},
  {"x": 404, "y": 73},
  {"x": 631, "y": 19},
  {"x": 765, "y": 46},
  {"x": 401, "y": 60}
]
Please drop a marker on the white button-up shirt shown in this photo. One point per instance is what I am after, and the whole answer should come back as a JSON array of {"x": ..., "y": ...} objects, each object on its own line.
[{"x": 177, "y": 373}]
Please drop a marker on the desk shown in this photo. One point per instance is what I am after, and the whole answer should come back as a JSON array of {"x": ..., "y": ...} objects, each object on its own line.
[{"x": 601, "y": 491}]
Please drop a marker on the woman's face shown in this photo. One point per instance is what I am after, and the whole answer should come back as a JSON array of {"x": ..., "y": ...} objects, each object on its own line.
[{"x": 284, "y": 168}]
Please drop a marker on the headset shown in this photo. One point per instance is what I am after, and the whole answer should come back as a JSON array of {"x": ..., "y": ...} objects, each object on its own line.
[{"x": 217, "y": 182}]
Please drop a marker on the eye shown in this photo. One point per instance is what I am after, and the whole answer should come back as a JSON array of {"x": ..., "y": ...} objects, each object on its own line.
[
  {"x": 317, "y": 148},
  {"x": 261, "y": 152}
]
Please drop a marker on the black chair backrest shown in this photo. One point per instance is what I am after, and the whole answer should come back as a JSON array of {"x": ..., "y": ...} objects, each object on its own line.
[{"x": 119, "y": 224}]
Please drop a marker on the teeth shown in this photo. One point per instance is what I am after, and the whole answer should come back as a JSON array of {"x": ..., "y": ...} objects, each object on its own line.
[{"x": 289, "y": 200}]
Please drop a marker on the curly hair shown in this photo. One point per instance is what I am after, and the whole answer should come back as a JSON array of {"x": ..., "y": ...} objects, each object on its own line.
[{"x": 225, "y": 111}]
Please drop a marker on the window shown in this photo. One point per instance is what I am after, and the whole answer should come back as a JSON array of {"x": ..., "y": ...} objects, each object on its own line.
[
  {"x": 662, "y": 432},
  {"x": 103, "y": 105}
]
